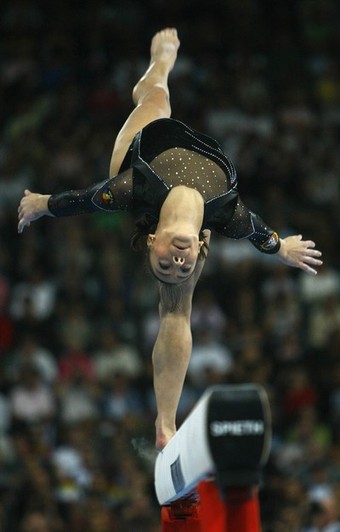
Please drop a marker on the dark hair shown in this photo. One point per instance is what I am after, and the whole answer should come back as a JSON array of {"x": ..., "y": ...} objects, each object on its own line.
[{"x": 145, "y": 225}]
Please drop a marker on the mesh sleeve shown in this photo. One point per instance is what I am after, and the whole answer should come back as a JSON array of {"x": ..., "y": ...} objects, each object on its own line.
[
  {"x": 73, "y": 202},
  {"x": 246, "y": 224},
  {"x": 113, "y": 194}
]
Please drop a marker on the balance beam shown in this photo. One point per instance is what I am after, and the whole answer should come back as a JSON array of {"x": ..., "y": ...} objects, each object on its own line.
[{"x": 218, "y": 454}]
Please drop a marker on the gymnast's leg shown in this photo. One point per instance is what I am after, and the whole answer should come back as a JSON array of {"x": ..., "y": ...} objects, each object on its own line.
[
  {"x": 172, "y": 349},
  {"x": 171, "y": 356},
  {"x": 150, "y": 95}
]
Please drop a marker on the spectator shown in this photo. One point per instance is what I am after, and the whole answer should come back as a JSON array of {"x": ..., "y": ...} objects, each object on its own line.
[
  {"x": 211, "y": 362},
  {"x": 31, "y": 401},
  {"x": 65, "y": 94},
  {"x": 29, "y": 352},
  {"x": 113, "y": 356}
]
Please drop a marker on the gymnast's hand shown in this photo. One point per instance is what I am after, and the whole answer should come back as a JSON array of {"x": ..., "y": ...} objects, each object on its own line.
[
  {"x": 32, "y": 207},
  {"x": 299, "y": 253}
]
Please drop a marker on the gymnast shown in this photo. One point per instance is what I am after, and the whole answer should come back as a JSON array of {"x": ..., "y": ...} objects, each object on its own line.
[{"x": 179, "y": 185}]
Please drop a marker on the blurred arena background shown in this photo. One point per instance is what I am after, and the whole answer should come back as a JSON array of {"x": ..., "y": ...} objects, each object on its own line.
[{"x": 78, "y": 315}]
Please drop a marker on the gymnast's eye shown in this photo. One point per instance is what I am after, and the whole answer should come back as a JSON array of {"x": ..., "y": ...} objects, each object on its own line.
[
  {"x": 186, "y": 269},
  {"x": 164, "y": 265}
]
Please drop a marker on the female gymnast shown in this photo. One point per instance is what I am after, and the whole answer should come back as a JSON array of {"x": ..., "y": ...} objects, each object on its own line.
[{"x": 179, "y": 185}]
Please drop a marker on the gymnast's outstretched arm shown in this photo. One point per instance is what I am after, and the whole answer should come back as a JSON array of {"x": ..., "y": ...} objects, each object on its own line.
[{"x": 293, "y": 250}]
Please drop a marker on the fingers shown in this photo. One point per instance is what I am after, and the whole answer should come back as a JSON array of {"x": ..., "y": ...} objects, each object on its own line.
[
  {"x": 308, "y": 269},
  {"x": 309, "y": 244},
  {"x": 314, "y": 252},
  {"x": 309, "y": 261},
  {"x": 24, "y": 211},
  {"x": 23, "y": 220},
  {"x": 310, "y": 258},
  {"x": 21, "y": 225},
  {"x": 301, "y": 254},
  {"x": 22, "y": 214}
]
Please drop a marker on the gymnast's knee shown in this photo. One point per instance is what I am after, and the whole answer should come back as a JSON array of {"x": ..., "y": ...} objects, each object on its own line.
[{"x": 156, "y": 95}]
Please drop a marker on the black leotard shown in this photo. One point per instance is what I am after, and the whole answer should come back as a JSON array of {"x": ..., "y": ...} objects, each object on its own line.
[{"x": 165, "y": 154}]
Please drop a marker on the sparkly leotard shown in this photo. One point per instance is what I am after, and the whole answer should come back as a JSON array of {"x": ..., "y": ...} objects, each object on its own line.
[{"x": 165, "y": 154}]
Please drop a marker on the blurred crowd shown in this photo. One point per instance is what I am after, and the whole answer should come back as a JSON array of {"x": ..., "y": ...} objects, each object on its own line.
[{"x": 78, "y": 309}]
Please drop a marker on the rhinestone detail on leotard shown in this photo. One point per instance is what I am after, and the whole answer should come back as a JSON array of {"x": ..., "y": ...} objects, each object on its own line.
[{"x": 179, "y": 166}]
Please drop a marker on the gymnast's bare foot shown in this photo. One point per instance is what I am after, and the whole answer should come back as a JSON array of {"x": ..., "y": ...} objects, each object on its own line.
[
  {"x": 163, "y": 54},
  {"x": 164, "y": 46}
]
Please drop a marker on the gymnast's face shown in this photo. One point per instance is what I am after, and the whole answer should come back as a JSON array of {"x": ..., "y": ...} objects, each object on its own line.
[{"x": 173, "y": 257}]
